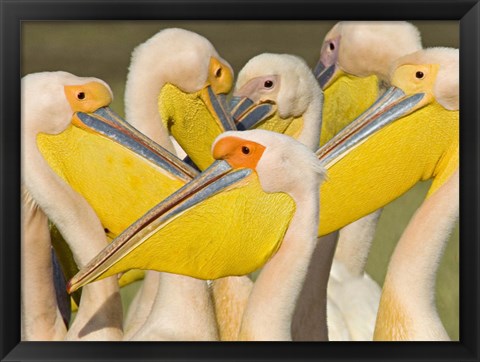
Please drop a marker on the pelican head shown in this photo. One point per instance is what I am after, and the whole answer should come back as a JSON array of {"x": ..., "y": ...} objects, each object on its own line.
[
  {"x": 49, "y": 100},
  {"x": 271, "y": 155},
  {"x": 434, "y": 71},
  {"x": 285, "y": 82},
  {"x": 174, "y": 85},
  {"x": 364, "y": 48}
]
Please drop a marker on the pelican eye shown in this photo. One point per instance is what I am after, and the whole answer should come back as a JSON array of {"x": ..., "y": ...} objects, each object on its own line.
[
  {"x": 245, "y": 150},
  {"x": 268, "y": 84},
  {"x": 331, "y": 46},
  {"x": 419, "y": 75},
  {"x": 81, "y": 95},
  {"x": 218, "y": 73}
]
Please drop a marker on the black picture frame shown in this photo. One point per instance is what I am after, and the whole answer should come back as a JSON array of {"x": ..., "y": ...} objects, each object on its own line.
[{"x": 13, "y": 12}]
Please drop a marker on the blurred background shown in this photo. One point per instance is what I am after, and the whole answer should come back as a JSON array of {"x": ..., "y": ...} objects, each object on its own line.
[{"x": 102, "y": 49}]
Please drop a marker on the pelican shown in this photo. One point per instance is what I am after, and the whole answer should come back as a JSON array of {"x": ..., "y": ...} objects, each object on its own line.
[
  {"x": 48, "y": 102},
  {"x": 427, "y": 143},
  {"x": 290, "y": 167},
  {"x": 171, "y": 80},
  {"x": 195, "y": 91},
  {"x": 353, "y": 71},
  {"x": 407, "y": 307},
  {"x": 260, "y": 159}
]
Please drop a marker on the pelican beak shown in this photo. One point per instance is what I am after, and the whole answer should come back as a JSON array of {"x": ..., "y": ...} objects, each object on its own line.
[
  {"x": 327, "y": 69},
  {"x": 247, "y": 114},
  {"x": 168, "y": 256},
  {"x": 214, "y": 95},
  {"x": 105, "y": 122},
  {"x": 326, "y": 75},
  {"x": 391, "y": 106},
  {"x": 218, "y": 107}
]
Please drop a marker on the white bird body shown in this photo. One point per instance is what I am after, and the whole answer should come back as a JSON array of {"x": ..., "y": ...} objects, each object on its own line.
[
  {"x": 45, "y": 109},
  {"x": 337, "y": 326},
  {"x": 355, "y": 294},
  {"x": 181, "y": 310}
]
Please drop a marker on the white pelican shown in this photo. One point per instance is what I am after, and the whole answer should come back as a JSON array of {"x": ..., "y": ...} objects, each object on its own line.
[
  {"x": 175, "y": 69},
  {"x": 285, "y": 166},
  {"x": 253, "y": 155},
  {"x": 407, "y": 307},
  {"x": 387, "y": 151},
  {"x": 353, "y": 70},
  {"x": 48, "y": 103}
]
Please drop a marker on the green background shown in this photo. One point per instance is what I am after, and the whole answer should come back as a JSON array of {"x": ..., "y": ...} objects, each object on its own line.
[{"x": 102, "y": 49}]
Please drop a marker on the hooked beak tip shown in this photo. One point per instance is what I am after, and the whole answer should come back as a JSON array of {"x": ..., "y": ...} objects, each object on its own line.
[{"x": 70, "y": 287}]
